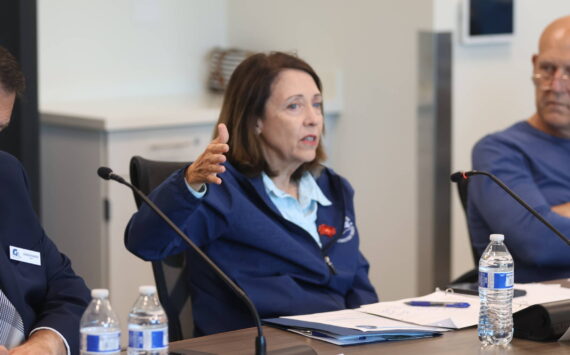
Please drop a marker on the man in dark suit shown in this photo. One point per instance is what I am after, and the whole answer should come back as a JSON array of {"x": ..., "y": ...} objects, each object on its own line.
[{"x": 41, "y": 298}]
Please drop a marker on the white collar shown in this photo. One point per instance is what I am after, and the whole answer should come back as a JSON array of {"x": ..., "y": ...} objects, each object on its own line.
[{"x": 308, "y": 190}]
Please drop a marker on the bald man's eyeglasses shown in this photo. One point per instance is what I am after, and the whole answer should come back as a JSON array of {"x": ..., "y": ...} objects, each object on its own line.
[{"x": 544, "y": 80}]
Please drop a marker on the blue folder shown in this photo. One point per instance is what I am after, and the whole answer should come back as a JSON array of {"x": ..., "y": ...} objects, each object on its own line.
[{"x": 346, "y": 336}]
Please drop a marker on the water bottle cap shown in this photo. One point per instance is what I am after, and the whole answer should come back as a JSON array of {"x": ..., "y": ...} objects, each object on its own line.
[
  {"x": 147, "y": 290},
  {"x": 497, "y": 237},
  {"x": 99, "y": 293}
]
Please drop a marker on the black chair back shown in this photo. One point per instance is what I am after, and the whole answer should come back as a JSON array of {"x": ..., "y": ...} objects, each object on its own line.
[
  {"x": 169, "y": 273},
  {"x": 471, "y": 275}
]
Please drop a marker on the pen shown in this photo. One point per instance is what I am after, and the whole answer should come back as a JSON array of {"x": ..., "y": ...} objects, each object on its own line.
[{"x": 438, "y": 304}]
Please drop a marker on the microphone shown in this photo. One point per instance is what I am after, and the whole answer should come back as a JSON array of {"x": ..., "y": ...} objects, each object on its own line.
[
  {"x": 260, "y": 342},
  {"x": 456, "y": 177},
  {"x": 543, "y": 322},
  {"x": 107, "y": 174}
]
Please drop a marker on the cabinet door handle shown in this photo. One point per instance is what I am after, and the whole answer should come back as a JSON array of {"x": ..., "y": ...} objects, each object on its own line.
[
  {"x": 174, "y": 145},
  {"x": 106, "y": 210}
]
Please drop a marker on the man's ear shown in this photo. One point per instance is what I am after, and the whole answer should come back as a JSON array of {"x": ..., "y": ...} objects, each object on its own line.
[{"x": 534, "y": 58}]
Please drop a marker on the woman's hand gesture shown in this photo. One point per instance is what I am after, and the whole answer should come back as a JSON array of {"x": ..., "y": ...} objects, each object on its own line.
[{"x": 206, "y": 167}]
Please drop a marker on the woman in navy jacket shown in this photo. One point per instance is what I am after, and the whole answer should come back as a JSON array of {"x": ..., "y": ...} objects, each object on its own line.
[{"x": 261, "y": 205}]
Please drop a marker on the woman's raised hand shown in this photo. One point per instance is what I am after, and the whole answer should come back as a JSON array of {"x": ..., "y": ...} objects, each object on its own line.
[{"x": 206, "y": 167}]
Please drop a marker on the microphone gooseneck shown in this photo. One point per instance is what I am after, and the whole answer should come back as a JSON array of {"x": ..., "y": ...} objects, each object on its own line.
[
  {"x": 260, "y": 342},
  {"x": 455, "y": 177},
  {"x": 107, "y": 174}
]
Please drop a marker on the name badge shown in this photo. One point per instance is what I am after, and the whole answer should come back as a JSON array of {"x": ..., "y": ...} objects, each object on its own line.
[{"x": 25, "y": 255}]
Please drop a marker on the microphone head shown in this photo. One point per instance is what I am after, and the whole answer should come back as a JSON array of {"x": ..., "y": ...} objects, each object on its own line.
[
  {"x": 104, "y": 172},
  {"x": 456, "y": 177}
]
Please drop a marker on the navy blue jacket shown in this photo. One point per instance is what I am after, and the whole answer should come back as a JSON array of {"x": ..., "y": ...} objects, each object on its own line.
[
  {"x": 49, "y": 295},
  {"x": 277, "y": 263}
]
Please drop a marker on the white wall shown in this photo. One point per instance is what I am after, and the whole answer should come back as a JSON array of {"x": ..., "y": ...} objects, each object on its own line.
[
  {"x": 366, "y": 52},
  {"x": 107, "y": 48},
  {"x": 370, "y": 47},
  {"x": 492, "y": 89}
]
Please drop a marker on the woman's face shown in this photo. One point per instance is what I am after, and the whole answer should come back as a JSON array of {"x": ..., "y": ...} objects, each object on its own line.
[{"x": 291, "y": 127}]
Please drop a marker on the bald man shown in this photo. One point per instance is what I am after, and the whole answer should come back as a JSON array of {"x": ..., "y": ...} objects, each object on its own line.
[{"x": 533, "y": 158}]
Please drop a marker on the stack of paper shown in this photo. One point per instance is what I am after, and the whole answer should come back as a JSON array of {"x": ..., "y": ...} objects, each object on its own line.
[
  {"x": 458, "y": 318},
  {"x": 396, "y": 320}
]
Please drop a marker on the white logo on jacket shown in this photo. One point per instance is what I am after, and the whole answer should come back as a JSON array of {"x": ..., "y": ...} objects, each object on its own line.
[{"x": 348, "y": 232}]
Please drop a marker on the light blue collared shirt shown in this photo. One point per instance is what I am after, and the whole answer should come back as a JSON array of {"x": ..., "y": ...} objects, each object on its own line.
[{"x": 302, "y": 212}]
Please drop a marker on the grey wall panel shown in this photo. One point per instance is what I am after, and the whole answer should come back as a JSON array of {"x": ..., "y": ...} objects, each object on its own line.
[
  {"x": 21, "y": 138},
  {"x": 434, "y": 159}
]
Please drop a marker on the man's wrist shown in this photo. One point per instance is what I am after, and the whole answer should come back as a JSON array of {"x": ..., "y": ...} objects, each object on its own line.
[{"x": 51, "y": 339}]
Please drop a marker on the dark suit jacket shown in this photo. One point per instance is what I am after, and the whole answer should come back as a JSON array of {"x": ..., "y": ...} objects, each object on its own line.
[{"x": 49, "y": 295}]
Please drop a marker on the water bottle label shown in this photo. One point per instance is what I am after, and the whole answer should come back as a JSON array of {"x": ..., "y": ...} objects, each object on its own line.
[
  {"x": 148, "y": 339},
  {"x": 102, "y": 343},
  {"x": 496, "y": 280}
]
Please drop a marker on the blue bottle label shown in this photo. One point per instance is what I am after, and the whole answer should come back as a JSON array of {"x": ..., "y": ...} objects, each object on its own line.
[
  {"x": 100, "y": 343},
  {"x": 496, "y": 280},
  {"x": 148, "y": 339}
]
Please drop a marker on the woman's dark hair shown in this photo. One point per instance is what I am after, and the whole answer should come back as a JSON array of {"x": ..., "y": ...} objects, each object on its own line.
[
  {"x": 11, "y": 77},
  {"x": 248, "y": 90}
]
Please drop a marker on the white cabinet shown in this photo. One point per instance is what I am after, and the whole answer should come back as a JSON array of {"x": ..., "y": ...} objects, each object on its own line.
[{"x": 85, "y": 215}]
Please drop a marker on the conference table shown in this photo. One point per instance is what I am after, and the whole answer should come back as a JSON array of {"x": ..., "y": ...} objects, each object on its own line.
[
  {"x": 453, "y": 342},
  {"x": 456, "y": 342}
]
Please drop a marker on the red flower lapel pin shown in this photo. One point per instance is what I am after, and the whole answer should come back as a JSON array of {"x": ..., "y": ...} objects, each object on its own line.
[{"x": 328, "y": 231}]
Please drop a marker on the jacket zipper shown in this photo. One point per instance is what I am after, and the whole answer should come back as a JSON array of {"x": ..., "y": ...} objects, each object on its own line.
[{"x": 329, "y": 263}]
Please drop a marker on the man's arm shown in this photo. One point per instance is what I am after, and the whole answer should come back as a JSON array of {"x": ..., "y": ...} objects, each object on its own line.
[
  {"x": 526, "y": 237},
  {"x": 65, "y": 299},
  {"x": 43, "y": 341}
]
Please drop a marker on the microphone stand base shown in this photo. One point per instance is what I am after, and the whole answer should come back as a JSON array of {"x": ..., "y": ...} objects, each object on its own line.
[{"x": 294, "y": 350}]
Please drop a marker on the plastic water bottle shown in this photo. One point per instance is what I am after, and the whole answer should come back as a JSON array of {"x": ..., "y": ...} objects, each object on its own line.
[
  {"x": 99, "y": 327},
  {"x": 148, "y": 325},
  {"x": 496, "y": 279}
]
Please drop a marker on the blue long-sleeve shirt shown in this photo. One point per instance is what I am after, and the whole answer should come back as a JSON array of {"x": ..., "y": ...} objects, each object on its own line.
[
  {"x": 536, "y": 166},
  {"x": 276, "y": 262}
]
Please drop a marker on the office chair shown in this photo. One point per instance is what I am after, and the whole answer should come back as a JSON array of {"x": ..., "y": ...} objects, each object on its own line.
[
  {"x": 169, "y": 273},
  {"x": 470, "y": 276}
]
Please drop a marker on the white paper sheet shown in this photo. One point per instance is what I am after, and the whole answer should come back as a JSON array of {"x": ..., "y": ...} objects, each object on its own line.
[
  {"x": 539, "y": 293},
  {"x": 448, "y": 317},
  {"x": 458, "y": 318},
  {"x": 365, "y": 322}
]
